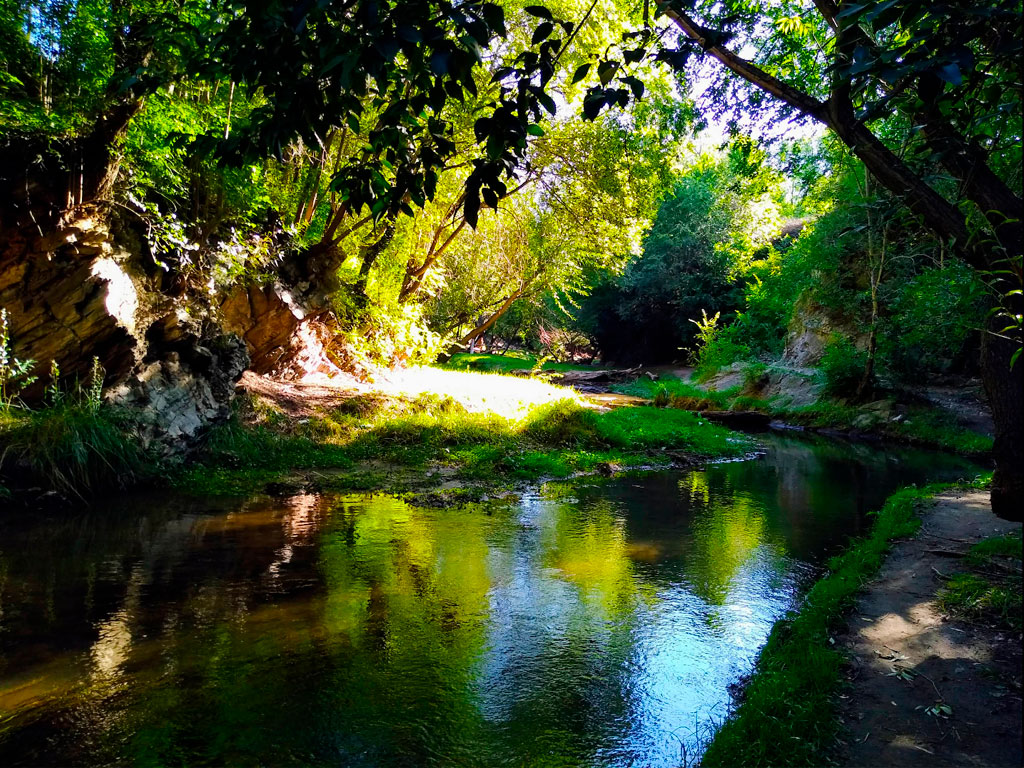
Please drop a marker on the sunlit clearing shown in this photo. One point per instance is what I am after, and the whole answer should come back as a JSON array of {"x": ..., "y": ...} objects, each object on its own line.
[{"x": 508, "y": 396}]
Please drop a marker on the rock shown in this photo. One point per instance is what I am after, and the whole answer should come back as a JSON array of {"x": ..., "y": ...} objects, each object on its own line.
[
  {"x": 749, "y": 420},
  {"x": 727, "y": 378},
  {"x": 282, "y": 336},
  {"x": 864, "y": 421},
  {"x": 176, "y": 398},
  {"x": 809, "y": 331}
]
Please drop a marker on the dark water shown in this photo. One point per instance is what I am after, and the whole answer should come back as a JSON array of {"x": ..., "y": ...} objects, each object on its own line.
[{"x": 596, "y": 622}]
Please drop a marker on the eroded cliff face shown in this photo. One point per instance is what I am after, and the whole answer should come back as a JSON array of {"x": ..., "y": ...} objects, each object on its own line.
[
  {"x": 80, "y": 291},
  {"x": 85, "y": 286},
  {"x": 810, "y": 329}
]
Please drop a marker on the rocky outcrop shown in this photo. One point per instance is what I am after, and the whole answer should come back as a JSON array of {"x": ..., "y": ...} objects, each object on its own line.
[
  {"x": 283, "y": 336},
  {"x": 179, "y": 395},
  {"x": 80, "y": 291},
  {"x": 810, "y": 329},
  {"x": 785, "y": 385}
]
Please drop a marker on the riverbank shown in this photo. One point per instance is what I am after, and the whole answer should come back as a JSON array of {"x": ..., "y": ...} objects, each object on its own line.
[
  {"x": 857, "y": 679},
  {"x": 439, "y": 434},
  {"x": 935, "y": 646},
  {"x": 798, "y": 402}
]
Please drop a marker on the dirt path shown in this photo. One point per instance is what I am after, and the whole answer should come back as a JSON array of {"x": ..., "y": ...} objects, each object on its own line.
[{"x": 974, "y": 670}]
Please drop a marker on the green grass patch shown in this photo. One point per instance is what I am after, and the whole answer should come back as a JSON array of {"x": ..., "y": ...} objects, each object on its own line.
[
  {"x": 76, "y": 448},
  {"x": 787, "y": 716},
  {"x": 991, "y": 591},
  {"x": 553, "y": 439},
  {"x": 676, "y": 393},
  {"x": 513, "y": 361},
  {"x": 921, "y": 426}
]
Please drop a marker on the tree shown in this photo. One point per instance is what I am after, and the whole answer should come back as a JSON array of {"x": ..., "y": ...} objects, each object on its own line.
[{"x": 951, "y": 68}]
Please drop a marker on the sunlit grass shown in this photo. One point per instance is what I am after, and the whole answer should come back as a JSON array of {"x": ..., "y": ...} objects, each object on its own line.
[
  {"x": 482, "y": 427},
  {"x": 508, "y": 396},
  {"x": 513, "y": 361}
]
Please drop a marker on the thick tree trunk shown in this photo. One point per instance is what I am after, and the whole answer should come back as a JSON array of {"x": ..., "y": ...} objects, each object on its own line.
[{"x": 1005, "y": 389}]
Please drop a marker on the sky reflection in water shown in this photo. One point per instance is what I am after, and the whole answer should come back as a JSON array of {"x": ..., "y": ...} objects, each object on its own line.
[{"x": 596, "y": 622}]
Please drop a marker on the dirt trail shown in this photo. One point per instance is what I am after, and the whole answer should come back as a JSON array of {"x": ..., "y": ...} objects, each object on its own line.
[{"x": 974, "y": 670}]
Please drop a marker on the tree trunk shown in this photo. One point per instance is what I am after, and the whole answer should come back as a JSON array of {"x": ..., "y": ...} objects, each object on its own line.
[
  {"x": 369, "y": 254},
  {"x": 485, "y": 326},
  {"x": 1005, "y": 389},
  {"x": 980, "y": 185}
]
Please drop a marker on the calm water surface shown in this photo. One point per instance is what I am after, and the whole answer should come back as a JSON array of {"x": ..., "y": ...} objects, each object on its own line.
[{"x": 595, "y": 622}]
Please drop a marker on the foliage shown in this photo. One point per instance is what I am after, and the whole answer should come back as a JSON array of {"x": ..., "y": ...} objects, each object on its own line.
[
  {"x": 74, "y": 447},
  {"x": 14, "y": 373},
  {"x": 702, "y": 239},
  {"x": 512, "y": 361},
  {"x": 843, "y": 366},
  {"x": 933, "y": 317}
]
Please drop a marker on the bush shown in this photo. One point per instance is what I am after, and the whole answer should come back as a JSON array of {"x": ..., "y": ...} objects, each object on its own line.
[
  {"x": 564, "y": 423},
  {"x": 843, "y": 365},
  {"x": 723, "y": 349}
]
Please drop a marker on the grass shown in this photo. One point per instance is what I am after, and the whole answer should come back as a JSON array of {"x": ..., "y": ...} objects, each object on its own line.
[
  {"x": 74, "y": 447},
  {"x": 990, "y": 592},
  {"x": 675, "y": 393},
  {"x": 553, "y": 439},
  {"x": 513, "y": 361},
  {"x": 922, "y": 426},
  {"x": 787, "y": 716}
]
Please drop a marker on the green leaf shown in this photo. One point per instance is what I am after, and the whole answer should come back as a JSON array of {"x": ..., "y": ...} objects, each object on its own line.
[
  {"x": 535, "y": 130},
  {"x": 539, "y": 11},
  {"x": 606, "y": 71},
  {"x": 581, "y": 72},
  {"x": 635, "y": 85},
  {"x": 542, "y": 32}
]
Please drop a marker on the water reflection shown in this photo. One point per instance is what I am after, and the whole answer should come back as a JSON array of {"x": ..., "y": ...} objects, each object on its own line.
[{"x": 593, "y": 623}]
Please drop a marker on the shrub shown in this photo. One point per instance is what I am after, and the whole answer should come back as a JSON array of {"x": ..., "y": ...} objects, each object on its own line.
[
  {"x": 843, "y": 365},
  {"x": 564, "y": 423}
]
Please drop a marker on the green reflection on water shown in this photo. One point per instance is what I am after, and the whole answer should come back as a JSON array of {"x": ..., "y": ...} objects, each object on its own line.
[{"x": 580, "y": 626}]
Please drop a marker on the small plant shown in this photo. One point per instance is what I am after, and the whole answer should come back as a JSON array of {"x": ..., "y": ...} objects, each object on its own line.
[
  {"x": 707, "y": 330},
  {"x": 53, "y": 394},
  {"x": 14, "y": 373},
  {"x": 94, "y": 390},
  {"x": 662, "y": 398}
]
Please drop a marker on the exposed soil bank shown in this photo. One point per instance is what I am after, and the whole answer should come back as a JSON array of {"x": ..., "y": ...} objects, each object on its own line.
[{"x": 973, "y": 669}]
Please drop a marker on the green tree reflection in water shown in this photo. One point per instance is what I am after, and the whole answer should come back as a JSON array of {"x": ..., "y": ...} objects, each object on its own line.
[{"x": 596, "y": 622}]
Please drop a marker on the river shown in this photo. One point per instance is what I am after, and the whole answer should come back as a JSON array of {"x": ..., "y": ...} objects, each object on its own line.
[{"x": 598, "y": 621}]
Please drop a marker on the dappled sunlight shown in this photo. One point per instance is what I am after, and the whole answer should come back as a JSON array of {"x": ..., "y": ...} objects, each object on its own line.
[
  {"x": 508, "y": 396},
  {"x": 919, "y": 632}
]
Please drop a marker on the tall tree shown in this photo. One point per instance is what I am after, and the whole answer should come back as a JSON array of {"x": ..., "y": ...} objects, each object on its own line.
[{"x": 951, "y": 67}]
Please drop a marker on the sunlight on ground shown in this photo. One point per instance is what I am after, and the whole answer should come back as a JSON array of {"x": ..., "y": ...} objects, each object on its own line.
[{"x": 508, "y": 396}]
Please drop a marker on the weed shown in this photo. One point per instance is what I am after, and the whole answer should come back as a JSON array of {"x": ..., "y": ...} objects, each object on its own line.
[
  {"x": 74, "y": 447},
  {"x": 991, "y": 592},
  {"x": 14, "y": 373}
]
